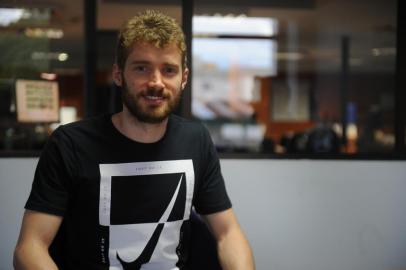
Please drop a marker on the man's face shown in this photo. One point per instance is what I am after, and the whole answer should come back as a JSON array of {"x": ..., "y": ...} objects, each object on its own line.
[{"x": 152, "y": 81}]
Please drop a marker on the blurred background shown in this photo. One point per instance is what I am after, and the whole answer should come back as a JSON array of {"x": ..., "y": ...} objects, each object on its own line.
[{"x": 309, "y": 77}]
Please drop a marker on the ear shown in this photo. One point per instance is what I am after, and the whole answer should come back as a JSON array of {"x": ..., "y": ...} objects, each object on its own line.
[
  {"x": 185, "y": 75},
  {"x": 117, "y": 75}
]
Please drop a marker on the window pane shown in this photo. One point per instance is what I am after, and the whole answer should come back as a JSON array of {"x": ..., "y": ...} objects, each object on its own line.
[
  {"x": 225, "y": 71},
  {"x": 41, "y": 67},
  {"x": 321, "y": 81}
]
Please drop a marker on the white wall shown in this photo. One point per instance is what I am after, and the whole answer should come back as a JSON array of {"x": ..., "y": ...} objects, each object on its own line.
[
  {"x": 297, "y": 214},
  {"x": 15, "y": 183},
  {"x": 321, "y": 215}
]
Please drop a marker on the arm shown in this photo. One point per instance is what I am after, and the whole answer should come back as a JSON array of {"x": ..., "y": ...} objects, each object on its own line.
[
  {"x": 37, "y": 232},
  {"x": 233, "y": 248}
]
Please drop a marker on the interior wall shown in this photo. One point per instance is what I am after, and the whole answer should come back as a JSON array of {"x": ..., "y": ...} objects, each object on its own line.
[
  {"x": 297, "y": 214},
  {"x": 15, "y": 184},
  {"x": 318, "y": 215}
]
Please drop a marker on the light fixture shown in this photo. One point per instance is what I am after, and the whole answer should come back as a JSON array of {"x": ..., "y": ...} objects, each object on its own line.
[
  {"x": 234, "y": 25},
  {"x": 50, "y": 33},
  {"x": 60, "y": 56},
  {"x": 63, "y": 57},
  {"x": 10, "y": 15}
]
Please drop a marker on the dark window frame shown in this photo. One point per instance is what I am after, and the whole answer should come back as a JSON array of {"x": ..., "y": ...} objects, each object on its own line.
[{"x": 90, "y": 95}]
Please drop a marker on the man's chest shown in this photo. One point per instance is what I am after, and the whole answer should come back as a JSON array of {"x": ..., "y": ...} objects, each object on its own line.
[{"x": 139, "y": 208}]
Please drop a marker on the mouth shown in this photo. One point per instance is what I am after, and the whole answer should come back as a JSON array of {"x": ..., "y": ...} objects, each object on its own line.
[
  {"x": 154, "y": 100},
  {"x": 154, "y": 97}
]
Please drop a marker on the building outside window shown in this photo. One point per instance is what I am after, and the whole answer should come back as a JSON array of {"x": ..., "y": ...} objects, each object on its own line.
[{"x": 320, "y": 80}]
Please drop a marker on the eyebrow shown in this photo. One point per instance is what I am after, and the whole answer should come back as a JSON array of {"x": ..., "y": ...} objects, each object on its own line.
[
  {"x": 136, "y": 62},
  {"x": 144, "y": 62}
]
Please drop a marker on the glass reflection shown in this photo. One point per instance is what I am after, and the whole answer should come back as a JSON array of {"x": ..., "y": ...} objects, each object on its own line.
[
  {"x": 316, "y": 82},
  {"x": 40, "y": 71}
]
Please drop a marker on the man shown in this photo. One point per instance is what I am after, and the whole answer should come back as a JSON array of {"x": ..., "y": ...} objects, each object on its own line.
[{"x": 123, "y": 185}]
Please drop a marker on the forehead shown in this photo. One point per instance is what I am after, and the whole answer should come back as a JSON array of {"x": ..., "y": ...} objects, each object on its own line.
[{"x": 150, "y": 53}]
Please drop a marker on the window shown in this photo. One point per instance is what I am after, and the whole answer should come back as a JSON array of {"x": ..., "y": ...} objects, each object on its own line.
[
  {"x": 41, "y": 67},
  {"x": 320, "y": 80},
  {"x": 229, "y": 53},
  {"x": 267, "y": 77}
]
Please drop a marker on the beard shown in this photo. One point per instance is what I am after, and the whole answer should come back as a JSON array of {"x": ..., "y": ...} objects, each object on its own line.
[{"x": 149, "y": 113}]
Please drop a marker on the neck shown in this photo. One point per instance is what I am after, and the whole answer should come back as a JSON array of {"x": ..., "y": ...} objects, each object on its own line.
[{"x": 136, "y": 130}]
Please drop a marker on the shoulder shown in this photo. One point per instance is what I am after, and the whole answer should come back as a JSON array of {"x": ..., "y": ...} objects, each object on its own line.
[
  {"x": 191, "y": 131},
  {"x": 86, "y": 123},
  {"x": 189, "y": 127},
  {"x": 82, "y": 131},
  {"x": 91, "y": 124},
  {"x": 187, "y": 124}
]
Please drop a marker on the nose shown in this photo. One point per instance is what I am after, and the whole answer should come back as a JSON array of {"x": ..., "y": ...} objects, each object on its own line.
[{"x": 156, "y": 80}]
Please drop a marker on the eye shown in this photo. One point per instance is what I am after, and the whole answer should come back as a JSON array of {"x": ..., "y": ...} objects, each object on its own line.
[
  {"x": 140, "y": 68},
  {"x": 170, "y": 70}
]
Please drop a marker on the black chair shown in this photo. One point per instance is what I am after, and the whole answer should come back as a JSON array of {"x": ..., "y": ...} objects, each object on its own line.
[{"x": 203, "y": 246}]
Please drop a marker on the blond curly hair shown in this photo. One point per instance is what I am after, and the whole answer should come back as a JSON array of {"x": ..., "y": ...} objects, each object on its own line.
[{"x": 152, "y": 27}]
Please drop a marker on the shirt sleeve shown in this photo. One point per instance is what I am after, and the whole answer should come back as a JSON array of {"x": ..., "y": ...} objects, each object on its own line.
[
  {"x": 53, "y": 176},
  {"x": 211, "y": 196}
]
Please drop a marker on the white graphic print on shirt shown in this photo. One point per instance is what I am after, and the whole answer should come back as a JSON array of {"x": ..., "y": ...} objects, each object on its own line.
[{"x": 144, "y": 205}]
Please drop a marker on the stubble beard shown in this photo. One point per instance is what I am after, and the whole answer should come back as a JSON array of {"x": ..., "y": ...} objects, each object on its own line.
[{"x": 150, "y": 114}]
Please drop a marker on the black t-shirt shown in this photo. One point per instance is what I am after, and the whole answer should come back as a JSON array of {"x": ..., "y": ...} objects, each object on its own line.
[{"x": 127, "y": 204}]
